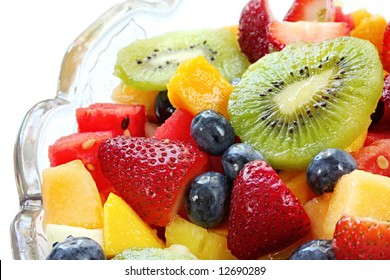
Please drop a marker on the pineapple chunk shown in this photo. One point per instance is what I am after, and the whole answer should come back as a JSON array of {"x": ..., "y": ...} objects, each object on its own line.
[
  {"x": 203, "y": 243},
  {"x": 70, "y": 196},
  {"x": 359, "y": 194},
  {"x": 124, "y": 229},
  {"x": 297, "y": 183}
]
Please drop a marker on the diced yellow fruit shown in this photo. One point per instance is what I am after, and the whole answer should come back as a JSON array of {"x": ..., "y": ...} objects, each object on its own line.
[
  {"x": 203, "y": 243},
  {"x": 372, "y": 29},
  {"x": 359, "y": 15},
  {"x": 297, "y": 183},
  {"x": 58, "y": 233},
  {"x": 316, "y": 209},
  {"x": 197, "y": 85},
  {"x": 70, "y": 196},
  {"x": 359, "y": 194},
  {"x": 124, "y": 229},
  {"x": 358, "y": 143},
  {"x": 233, "y": 29},
  {"x": 127, "y": 95}
]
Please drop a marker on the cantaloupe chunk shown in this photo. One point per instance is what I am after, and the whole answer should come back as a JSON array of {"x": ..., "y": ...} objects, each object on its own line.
[
  {"x": 359, "y": 194},
  {"x": 198, "y": 85},
  {"x": 70, "y": 196},
  {"x": 317, "y": 209},
  {"x": 203, "y": 243},
  {"x": 124, "y": 229}
]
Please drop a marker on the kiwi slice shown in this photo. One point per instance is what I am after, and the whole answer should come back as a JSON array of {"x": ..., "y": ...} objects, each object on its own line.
[
  {"x": 292, "y": 104},
  {"x": 148, "y": 64}
]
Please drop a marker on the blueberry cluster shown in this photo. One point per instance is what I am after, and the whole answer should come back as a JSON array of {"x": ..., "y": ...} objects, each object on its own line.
[{"x": 208, "y": 195}]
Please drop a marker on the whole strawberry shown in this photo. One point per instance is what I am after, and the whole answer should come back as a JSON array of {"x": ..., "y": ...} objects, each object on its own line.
[
  {"x": 252, "y": 35},
  {"x": 361, "y": 239},
  {"x": 151, "y": 174},
  {"x": 265, "y": 216}
]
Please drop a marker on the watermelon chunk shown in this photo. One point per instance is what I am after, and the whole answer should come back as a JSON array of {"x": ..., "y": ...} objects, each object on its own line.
[
  {"x": 83, "y": 146},
  {"x": 177, "y": 127},
  {"x": 375, "y": 158},
  {"x": 120, "y": 119}
]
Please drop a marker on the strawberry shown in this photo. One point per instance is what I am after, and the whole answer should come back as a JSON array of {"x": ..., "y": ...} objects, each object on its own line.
[
  {"x": 265, "y": 216},
  {"x": 151, "y": 174},
  {"x": 386, "y": 90},
  {"x": 311, "y": 10},
  {"x": 282, "y": 33},
  {"x": 340, "y": 16},
  {"x": 361, "y": 239},
  {"x": 386, "y": 49},
  {"x": 252, "y": 36}
]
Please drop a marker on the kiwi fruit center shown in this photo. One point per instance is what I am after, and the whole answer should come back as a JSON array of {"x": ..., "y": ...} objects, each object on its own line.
[{"x": 292, "y": 104}]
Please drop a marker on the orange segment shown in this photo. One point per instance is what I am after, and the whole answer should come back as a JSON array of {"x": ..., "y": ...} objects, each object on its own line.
[
  {"x": 297, "y": 183},
  {"x": 128, "y": 95},
  {"x": 70, "y": 196},
  {"x": 197, "y": 85},
  {"x": 371, "y": 28},
  {"x": 359, "y": 15}
]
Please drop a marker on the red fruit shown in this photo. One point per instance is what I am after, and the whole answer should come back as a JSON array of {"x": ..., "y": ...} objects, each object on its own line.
[
  {"x": 375, "y": 158},
  {"x": 177, "y": 127},
  {"x": 311, "y": 10},
  {"x": 282, "y": 33},
  {"x": 386, "y": 90},
  {"x": 119, "y": 118},
  {"x": 252, "y": 34},
  {"x": 83, "y": 146},
  {"x": 265, "y": 216},
  {"x": 151, "y": 174},
  {"x": 361, "y": 239},
  {"x": 341, "y": 17},
  {"x": 386, "y": 49}
]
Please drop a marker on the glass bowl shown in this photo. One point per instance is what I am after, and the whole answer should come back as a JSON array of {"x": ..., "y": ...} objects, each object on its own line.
[{"x": 87, "y": 77}]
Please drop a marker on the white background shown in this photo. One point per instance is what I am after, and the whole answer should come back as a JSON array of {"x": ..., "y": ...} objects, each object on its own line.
[{"x": 34, "y": 37}]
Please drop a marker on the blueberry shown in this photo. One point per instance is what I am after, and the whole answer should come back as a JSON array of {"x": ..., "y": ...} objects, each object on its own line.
[
  {"x": 163, "y": 107},
  {"x": 212, "y": 132},
  {"x": 207, "y": 199},
  {"x": 319, "y": 249},
  {"x": 236, "y": 156},
  {"x": 327, "y": 167},
  {"x": 77, "y": 248}
]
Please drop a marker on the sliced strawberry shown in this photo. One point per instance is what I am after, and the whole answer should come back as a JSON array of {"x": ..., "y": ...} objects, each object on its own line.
[
  {"x": 151, "y": 174},
  {"x": 265, "y": 216},
  {"x": 386, "y": 49},
  {"x": 311, "y": 10},
  {"x": 361, "y": 239},
  {"x": 282, "y": 33},
  {"x": 252, "y": 34},
  {"x": 375, "y": 158}
]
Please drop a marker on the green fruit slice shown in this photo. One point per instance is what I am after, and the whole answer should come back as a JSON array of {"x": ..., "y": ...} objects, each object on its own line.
[
  {"x": 149, "y": 64},
  {"x": 292, "y": 104}
]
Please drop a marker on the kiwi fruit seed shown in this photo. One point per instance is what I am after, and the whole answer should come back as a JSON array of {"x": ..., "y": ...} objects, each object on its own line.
[
  {"x": 148, "y": 64},
  {"x": 292, "y": 104}
]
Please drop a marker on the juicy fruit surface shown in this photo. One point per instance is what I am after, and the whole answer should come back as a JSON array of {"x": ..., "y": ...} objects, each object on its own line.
[
  {"x": 149, "y": 64},
  {"x": 361, "y": 239},
  {"x": 358, "y": 194},
  {"x": 311, "y": 10},
  {"x": 198, "y": 85},
  {"x": 70, "y": 196},
  {"x": 123, "y": 228},
  {"x": 264, "y": 214},
  {"x": 292, "y": 104},
  {"x": 317, "y": 209},
  {"x": 121, "y": 119},
  {"x": 77, "y": 248},
  {"x": 151, "y": 174}
]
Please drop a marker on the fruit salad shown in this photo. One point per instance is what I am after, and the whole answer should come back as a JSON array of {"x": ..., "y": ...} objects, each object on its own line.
[{"x": 265, "y": 139}]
